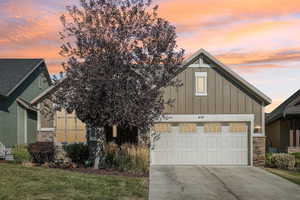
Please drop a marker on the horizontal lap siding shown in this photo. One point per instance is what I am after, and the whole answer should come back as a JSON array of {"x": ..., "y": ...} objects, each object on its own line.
[{"x": 224, "y": 96}]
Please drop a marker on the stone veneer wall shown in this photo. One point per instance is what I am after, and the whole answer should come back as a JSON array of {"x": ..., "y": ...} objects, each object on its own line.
[
  {"x": 259, "y": 150},
  {"x": 293, "y": 149},
  {"x": 45, "y": 136}
]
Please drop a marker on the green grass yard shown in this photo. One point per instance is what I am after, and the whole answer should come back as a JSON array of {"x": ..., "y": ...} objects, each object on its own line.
[
  {"x": 292, "y": 176},
  {"x": 32, "y": 183}
]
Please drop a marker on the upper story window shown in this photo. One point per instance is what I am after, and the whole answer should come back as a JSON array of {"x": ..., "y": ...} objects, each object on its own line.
[{"x": 201, "y": 83}]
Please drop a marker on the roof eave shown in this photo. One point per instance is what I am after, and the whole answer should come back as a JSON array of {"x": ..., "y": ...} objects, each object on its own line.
[{"x": 24, "y": 78}]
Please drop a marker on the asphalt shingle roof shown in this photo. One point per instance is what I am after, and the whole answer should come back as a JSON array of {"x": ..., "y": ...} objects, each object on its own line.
[
  {"x": 12, "y": 71},
  {"x": 289, "y": 106}
]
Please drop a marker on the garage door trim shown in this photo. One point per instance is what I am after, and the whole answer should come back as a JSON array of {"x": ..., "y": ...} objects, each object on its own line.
[{"x": 214, "y": 118}]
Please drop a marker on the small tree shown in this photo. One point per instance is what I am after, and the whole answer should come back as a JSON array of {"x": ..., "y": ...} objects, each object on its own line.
[{"x": 119, "y": 56}]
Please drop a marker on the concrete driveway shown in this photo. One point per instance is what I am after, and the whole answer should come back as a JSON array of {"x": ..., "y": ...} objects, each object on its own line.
[{"x": 226, "y": 183}]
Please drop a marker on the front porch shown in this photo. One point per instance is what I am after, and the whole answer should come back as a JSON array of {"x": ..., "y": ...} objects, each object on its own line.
[{"x": 294, "y": 135}]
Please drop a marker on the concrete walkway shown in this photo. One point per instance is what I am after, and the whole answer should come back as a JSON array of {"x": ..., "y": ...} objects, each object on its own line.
[{"x": 226, "y": 183}]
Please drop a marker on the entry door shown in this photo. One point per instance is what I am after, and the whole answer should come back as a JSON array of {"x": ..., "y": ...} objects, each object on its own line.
[{"x": 226, "y": 146}]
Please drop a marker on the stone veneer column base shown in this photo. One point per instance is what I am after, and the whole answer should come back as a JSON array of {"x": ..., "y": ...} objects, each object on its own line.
[
  {"x": 259, "y": 150},
  {"x": 45, "y": 136},
  {"x": 293, "y": 149}
]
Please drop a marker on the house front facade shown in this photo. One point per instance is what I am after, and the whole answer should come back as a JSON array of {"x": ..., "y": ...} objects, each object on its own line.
[
  {"x": 54, "y": 125},
  {"x": 217, "y": 118},
  {"x": 283, "y": 126},
  {"x": 21, "y": 80}
]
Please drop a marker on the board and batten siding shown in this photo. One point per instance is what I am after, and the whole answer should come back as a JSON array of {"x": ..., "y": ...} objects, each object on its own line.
[{"x": 223, "y": 96}]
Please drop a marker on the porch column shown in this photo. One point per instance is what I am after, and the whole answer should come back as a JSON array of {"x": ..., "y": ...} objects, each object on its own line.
[
  {"x": 297, "y": 138},
  {"x": 291, "y": 138}
]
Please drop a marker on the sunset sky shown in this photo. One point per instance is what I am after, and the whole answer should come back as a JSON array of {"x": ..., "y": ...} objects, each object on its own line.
[{"x": 259, "y": 39}]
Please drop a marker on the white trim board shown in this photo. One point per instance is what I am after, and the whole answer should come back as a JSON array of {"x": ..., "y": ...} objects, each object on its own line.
[{"x": 207, "y": 118}]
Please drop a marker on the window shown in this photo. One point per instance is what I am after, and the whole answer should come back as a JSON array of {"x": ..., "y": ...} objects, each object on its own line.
[
  {"x": 162, "y": 128},
  {"x": 201, "y": 83},
  {"x": 212, "y": 127},
  {"x": 188, "y": 128},
  {"x": 45, "y": 120},
  {"x": 238, "y": 127}
]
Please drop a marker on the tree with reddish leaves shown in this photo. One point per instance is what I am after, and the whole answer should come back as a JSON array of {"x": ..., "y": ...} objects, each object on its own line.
[{"x": 120, "y": 54}]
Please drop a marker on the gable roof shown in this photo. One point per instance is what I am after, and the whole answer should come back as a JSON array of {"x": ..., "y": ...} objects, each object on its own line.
[
  {"x": 26, "y": 104},
  {"x": 289, "y": 106},
  {"x": 47, "y": 92},
  {"x": 242, "y": 82},
  {"x": 14, "y": 71},
  {"x": 233, "y": 75}
]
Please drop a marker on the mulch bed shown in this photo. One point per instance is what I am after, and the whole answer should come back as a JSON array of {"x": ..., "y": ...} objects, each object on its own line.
[
  {"x": 3, "y": 161},
  {"x": 107, "y": 172}
]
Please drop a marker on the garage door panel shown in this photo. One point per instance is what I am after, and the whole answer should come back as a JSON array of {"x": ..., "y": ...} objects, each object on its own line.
[{"x": 201, "y": 148}]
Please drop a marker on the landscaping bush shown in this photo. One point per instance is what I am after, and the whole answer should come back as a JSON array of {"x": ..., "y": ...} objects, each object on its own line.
[
  {"x": 42, "y": 152},
  {"x": 269, "y": 160},
  {"x": 283, "y": 161},
  {"x": 297, "y": 159},
  {"x": 78, "y": 153},
  {"x": 21, "y": 154},
  {"x": 127, "y": 157}
]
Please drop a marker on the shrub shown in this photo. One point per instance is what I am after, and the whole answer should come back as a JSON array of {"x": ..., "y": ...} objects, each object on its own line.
[
  {"x": 283, "y": 161},
  {"x": 79, "y": 153},
  {"x": 297, "y": 159},
  {"x": 269, "y": 160},
  {"x": 42, "y": 152},
  {"x": 127, "y": 157},
  {"x": 21, "y": 154}
]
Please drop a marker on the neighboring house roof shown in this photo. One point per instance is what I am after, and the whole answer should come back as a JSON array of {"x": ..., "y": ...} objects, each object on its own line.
[
  {"x": 26, "y": 104},
  {"x": 14, "y": 71},
  {"x": 291, "y": 106},
  {"x": 48, "y": 91},
  {"x": 238, "y": 79}
]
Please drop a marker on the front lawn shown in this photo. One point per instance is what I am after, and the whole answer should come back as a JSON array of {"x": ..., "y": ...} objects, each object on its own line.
[
  {"x": 292, "y": 176},
  {"x": 18, "y": 182}
]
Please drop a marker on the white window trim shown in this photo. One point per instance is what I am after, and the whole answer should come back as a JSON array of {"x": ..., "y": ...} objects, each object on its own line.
[
  {"x": 39, "y": 122},
  {"x": 204, "y": 75}
]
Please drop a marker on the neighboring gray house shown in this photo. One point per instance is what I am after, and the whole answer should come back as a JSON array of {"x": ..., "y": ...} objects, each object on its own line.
[
  {"x": 217, "y": 118},
  {"x": 283, "y": 125},
  {"x": 21, "y": 80}
]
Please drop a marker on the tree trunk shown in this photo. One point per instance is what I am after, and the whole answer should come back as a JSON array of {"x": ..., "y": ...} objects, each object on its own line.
[{"x": 99, "y": 154}]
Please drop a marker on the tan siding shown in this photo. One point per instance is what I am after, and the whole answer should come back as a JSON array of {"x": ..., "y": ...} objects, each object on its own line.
[
  {"x": 224, "y": 97},
  {"x": 69, "y": 128},
  {"x": 174, "y": 96},
  {"x": 233, "y": 99},
  {"x": 181, "y": 94},
  {"x": 204, "y": 99},
  {"x": 249, "y": 105},
  {"x": 284, "y": 134},
  {"x": 196, "y": 99},
  {"x": 219, "y": 94},
  {"x": 189, "y": 92},
  {"x": 212, "y": 92},
  {"x": 273, "y": 134},
  {"x": 241, "y": 102},
  {"x": 257, "y": 111}
]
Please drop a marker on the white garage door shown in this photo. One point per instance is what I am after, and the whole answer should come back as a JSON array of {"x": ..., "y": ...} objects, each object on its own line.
[{"x": 204, "y": 144}]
